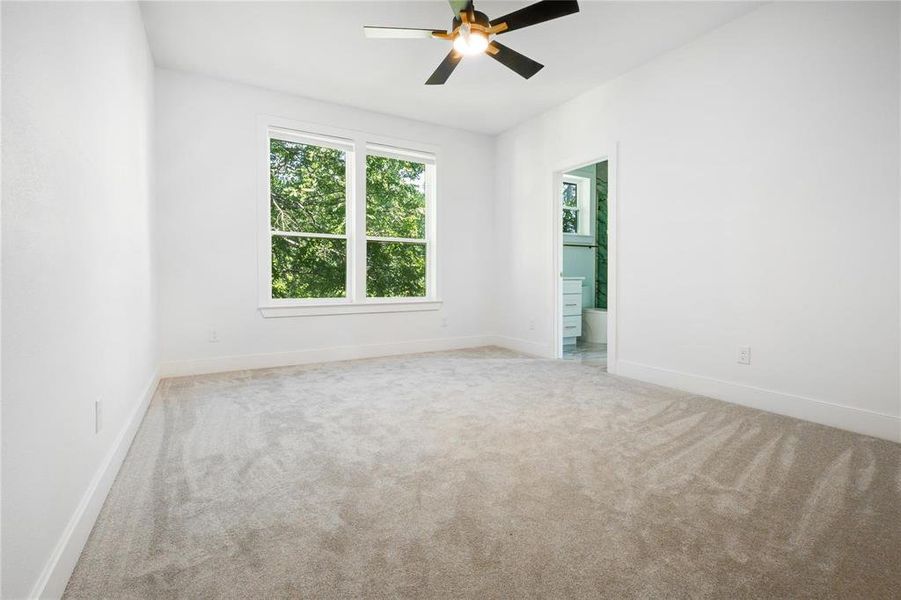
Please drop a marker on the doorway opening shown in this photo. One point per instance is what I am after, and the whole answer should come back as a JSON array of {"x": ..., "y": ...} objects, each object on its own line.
[{"x": 583, "y": 204}]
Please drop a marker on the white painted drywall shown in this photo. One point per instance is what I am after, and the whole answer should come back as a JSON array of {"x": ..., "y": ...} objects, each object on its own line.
[
  {"x": 261, "y": 44},
  {"x": 78, "y": 288},
  {"x": 758, "y": 205},
  {"x": 207, "y": 190}
]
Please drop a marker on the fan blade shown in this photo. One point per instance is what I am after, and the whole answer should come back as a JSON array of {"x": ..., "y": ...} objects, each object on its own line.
[
  {"x": 460, "y": 5},
  {"x": 445, "y": 69},
  {"x": 537, "y": 13},
  {"x": 523, "y": 65},
  {"x": 399, "y": 32}
]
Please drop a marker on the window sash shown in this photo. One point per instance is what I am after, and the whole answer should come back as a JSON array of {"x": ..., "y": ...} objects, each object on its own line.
[
  {"x": 429, "y": 209},
  {"x": 404, "y": 242},
  {"x": 311, "y": 139},
  {"x": 335, "y": 143},
  {"x": 403, "y": 155},
  {"x": 331, "y": 236},
  {"x": 583, "y": 202},
  {"x": 357, "y": 146},
  {"x": 323, "y": 142},
  {"x": 325, "y": 236},
  {"x": 575, "y": 190},
  {"x": 575, "y": 212},
  {"x": 396, "y": 240},
  {"x": 400, "y": 154}
]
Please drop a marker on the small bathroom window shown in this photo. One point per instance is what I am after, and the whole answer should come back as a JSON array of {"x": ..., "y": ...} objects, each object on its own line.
[
  {"x": 570, "y": 207},
  {"x": 576, "y": 196}
]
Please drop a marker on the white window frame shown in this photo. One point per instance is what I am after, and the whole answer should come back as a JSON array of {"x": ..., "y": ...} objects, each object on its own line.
[
  {"x": 583, "y": 197},
  {"x": 356, "y": 145},
  {"x": 374, "y": 149}
]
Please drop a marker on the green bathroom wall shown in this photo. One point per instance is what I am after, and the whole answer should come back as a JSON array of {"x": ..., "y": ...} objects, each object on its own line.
[{"x": 600, "y": 300}]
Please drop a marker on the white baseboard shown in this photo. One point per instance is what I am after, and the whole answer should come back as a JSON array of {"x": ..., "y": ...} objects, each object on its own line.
[
  {"x": 241, "y": 362},
  {"x": 55, "y": 575},
  {"x": 525, "y": 346},
  {"x": 858, "y": 420}
]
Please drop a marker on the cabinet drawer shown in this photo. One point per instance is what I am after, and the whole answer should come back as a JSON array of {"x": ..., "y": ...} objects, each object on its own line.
[
  {"x": 572, "y": 326},
  {"x": 572, "y": 304},
  {"x": 572, "y": 287}
]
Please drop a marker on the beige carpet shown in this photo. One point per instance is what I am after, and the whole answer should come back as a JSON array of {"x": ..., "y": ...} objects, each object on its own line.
[{"x": 483, "y": 474}]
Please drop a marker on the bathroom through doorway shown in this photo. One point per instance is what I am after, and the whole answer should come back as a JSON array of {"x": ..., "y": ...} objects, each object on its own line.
[{"x": 584, "y": 259}]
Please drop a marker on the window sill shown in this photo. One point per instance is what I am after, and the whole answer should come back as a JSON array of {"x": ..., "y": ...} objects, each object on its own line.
[{"x": 315, "y": 310}]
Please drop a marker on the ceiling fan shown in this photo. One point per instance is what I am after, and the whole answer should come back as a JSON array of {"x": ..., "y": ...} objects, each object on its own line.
[{"x": 472, "y": 32}]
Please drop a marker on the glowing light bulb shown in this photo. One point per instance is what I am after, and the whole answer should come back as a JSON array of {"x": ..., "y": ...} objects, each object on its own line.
[{"x": 470, "y": 42}]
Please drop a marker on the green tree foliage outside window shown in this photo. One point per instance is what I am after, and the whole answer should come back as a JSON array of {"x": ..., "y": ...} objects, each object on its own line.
[
  {"x": 570, "y": 207},
  {"x": 308, "y": 198},
  {"x": 307, "y": 267},
  {"x": 395, "y": 208},
  {"x": 308, "y": 186},
  {"x": 395, "y": 270}
]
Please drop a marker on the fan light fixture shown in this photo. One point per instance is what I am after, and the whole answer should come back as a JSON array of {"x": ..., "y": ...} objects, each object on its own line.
[
  {"x": 471, "y": 34},
  {"x": 470, "y": 42}
]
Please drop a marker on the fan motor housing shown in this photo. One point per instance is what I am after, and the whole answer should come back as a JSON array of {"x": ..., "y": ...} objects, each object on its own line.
[{"x": 479, "y": 21}]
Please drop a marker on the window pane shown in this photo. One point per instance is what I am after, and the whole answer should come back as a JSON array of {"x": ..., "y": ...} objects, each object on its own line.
[
  {"x": 308, "y": 267},
  {"x": 570, "y": 195},
  {"x": 395, "y": 198},
  {"x": 570, "y": 221},
  {"x": 308, "y": 187},
  {"x": 395, "y": 269}
]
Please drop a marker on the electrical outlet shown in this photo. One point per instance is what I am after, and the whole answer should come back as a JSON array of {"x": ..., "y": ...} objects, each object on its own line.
[
  {"x": 214, "y": 336},
  {"x": 531, "y": 324},
  {"x": 444, "y": 322},
  {"x": 744, "y": 355},
  {"x": 98, "y": 422}
]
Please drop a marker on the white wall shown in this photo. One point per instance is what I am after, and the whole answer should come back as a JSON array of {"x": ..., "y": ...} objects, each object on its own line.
[
  {"x": 207, "y": 176},
  {"x": 78, "y": 290},
  {"x": 758, "y": 205}
]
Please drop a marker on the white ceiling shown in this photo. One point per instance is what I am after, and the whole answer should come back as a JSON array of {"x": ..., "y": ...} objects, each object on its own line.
[{"x": 317, "y": 50}]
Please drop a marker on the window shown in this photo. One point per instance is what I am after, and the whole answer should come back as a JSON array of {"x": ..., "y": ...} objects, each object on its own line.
[
  {"x": 570, "y": 207},
  {"x": 348, "y": 224},
  {"x": 395, "y": 227},
  {"x": 308, "y": 219},
  {"x": 576, "y": 203}
]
